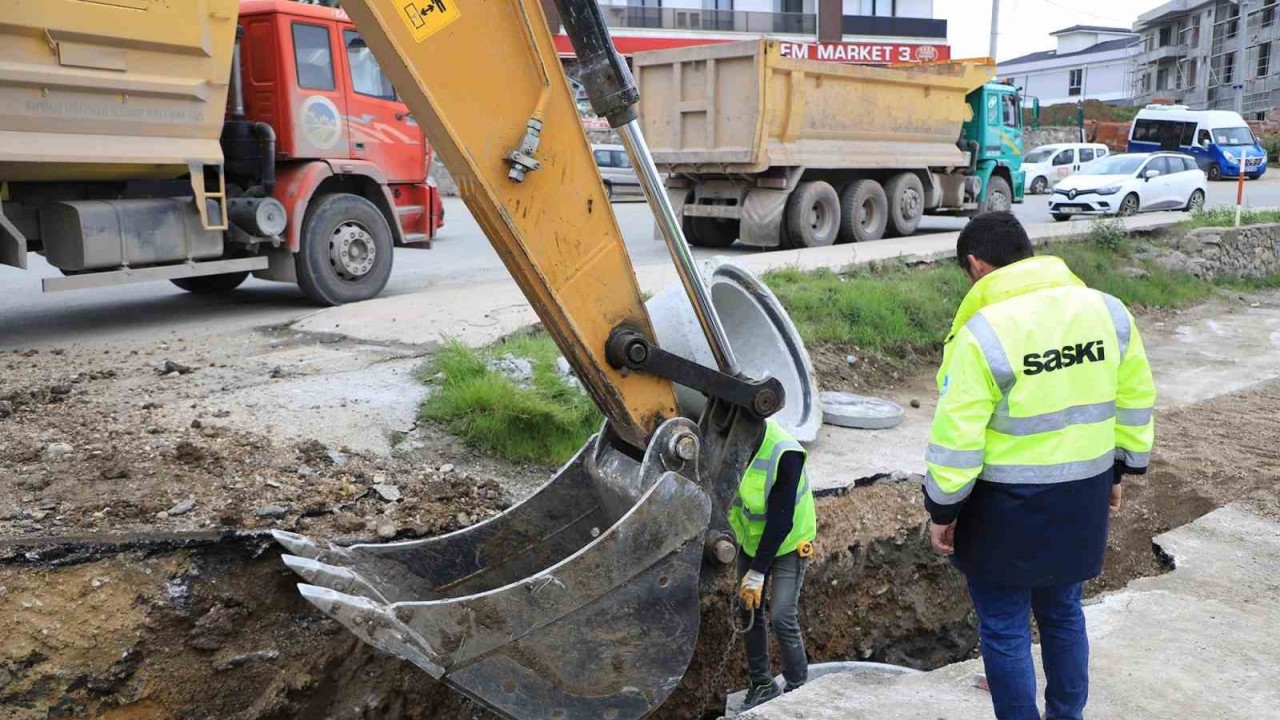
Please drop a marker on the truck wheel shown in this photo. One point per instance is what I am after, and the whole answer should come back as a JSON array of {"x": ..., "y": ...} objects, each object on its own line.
[
  {"x": 813, "y": 214},
  {"x": 346, "y": 250},
  {"x": 211, "y": 284},
  {"x": 999, "y": 196},
  {"x": 1214, "y": 172},
  {"x": 713, "y": 233},
  {"x": 906, "y": 204},
  {"x": 864, "y": 212}
]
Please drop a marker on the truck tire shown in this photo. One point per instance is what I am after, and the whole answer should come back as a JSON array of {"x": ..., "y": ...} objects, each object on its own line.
[
  {"x": 346, "y": 250},
  {"x": 211, "y": 284},
  {"x": 999, "y": 196},
  {"x": 905, "y": 193},
  {"x": 713, "y": 233},
  {"x": 813, "y": 215},
  {"x": 864, "y": 211}
]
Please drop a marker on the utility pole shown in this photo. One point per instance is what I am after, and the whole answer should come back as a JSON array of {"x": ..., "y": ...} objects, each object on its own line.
[
  {"x": 1241, "y": 61},
  {"x": 995, "y": 26}
]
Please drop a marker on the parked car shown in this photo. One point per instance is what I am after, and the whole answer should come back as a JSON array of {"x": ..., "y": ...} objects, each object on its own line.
[
  {"x": 1219, "y": 140},
  {"x": 615, "y": 168},
  {"x": 1131, "y": 183},
  {"x": 1048, "y": 164}
]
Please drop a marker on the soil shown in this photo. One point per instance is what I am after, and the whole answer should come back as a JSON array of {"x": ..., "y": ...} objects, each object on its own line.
[
  {"x": 111, "y": 609},
  {"x": 96, "y": 441}
]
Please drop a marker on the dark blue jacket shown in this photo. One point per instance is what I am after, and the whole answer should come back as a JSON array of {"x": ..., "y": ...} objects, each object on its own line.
[{"x": 1034, "y": 535}]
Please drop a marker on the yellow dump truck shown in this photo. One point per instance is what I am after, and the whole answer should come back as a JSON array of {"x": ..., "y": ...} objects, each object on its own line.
[
  {"x": 199, "y": 142},
  {"x": 773, "y": 151}
]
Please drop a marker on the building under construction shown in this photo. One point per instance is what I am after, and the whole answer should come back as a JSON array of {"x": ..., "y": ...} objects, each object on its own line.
[{"x": 1192, "y": 54}]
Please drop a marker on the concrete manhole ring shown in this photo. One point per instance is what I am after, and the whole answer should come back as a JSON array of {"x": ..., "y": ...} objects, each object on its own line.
[{"x": 859, "y": 411}]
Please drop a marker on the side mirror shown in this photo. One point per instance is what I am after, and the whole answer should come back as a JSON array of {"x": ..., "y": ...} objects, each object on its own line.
[{"x": 1151, "y": 174}]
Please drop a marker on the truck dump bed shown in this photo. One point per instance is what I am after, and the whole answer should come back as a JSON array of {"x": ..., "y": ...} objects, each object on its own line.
[
  {"x": 743, "y": 108},
  {"x": 112, "y": 88}
]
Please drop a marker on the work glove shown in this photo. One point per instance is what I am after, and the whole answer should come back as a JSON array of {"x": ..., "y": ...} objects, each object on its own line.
[{"x": 751, "y": 589}]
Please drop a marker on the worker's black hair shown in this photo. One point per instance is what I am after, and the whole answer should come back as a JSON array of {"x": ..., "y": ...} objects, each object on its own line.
[{"x": 996, "y": 237}]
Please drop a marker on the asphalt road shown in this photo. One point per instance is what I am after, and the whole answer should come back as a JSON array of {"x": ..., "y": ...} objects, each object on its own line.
[{"x": 154, "y": 311}]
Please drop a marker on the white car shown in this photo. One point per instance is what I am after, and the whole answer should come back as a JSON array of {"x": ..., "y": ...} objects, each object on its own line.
[
  {"x": 1131, "y": 183},
  {"x": 1048, "y": 164}
]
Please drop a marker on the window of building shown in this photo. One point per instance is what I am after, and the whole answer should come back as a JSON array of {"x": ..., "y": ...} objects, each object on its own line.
[
  {"x": 1162, "y": 79},
  {"x": 1166, "y": 36},
  {"x": 313, "y": 56},
  {"x": 1264, "y": 59},
  {"x": 366, "y": 75},
  {"x": 1229, "y": 68},
  {"x": 1189, "y": 73},
  {"x": 1233, "y": 23},
  {"x": 883, "y": 8},
  {"x": 1075, "y": 82},
  {"x": 1268, "y": 16},
  {"x": 644, "y": 13}
]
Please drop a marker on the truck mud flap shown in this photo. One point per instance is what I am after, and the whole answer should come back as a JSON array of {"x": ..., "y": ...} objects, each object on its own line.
[
  {"x": 762, "y": 217},
  {"x": 581, "y": 601}
]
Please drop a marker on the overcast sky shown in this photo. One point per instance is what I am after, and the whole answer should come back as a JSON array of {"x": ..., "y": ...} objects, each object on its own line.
[{"x": 1025, "y": 24}]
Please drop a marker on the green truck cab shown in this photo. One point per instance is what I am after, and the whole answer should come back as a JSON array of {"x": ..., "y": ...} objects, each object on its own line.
[{"x": 994, "y": 139}]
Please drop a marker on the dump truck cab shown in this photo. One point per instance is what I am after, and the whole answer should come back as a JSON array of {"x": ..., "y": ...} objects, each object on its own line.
[
  {"x": 993, "y": 137},
  {"x": 340, "y": 125}
]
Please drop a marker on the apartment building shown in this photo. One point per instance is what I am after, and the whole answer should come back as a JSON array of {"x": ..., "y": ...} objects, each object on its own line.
[
  {"x": 1089, "y": 63},
  {"x": 1191, "y": 55},
  {"x": 873, "y": 32}
]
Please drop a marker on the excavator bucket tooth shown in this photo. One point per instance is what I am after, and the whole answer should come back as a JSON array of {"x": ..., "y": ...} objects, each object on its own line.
[{"x": 581, "y": 601}]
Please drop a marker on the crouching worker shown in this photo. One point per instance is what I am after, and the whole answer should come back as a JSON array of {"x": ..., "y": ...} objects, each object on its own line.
[{"x": 775, "y": 524}]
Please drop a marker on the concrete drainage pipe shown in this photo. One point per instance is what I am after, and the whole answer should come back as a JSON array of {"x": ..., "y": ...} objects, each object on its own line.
[{"x": 760, "y": 331}]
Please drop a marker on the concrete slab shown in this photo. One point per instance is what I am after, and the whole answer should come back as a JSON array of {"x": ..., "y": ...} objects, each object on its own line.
[
  {"x": 1199, "y": 358},
  {"x": 1197, "y": 642}
]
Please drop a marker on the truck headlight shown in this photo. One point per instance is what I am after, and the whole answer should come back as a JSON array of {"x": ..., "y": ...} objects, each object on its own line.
[{"x": 1108, "y": 190}]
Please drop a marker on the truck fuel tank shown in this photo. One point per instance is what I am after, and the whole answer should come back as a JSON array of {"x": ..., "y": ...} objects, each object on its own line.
[{"x": 96, "y": 234}]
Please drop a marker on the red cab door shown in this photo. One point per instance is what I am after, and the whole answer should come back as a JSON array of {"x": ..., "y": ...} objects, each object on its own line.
[
  {"x": 380, "y": 127},
  {"x": 319, "y": 103}
]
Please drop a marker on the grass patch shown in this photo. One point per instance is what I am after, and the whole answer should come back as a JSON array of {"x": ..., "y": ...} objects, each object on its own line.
[
  {"x": 898, "y": 313},
  {"x": 545, "y": 421},
  {"x": 1226, "y": 217}
]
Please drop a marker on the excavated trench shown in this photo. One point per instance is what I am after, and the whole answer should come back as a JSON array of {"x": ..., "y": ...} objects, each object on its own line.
[{"x": 210, "y": 626}]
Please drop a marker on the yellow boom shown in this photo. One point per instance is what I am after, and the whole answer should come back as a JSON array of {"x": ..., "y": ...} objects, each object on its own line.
[{"x": 473, "y": 75}]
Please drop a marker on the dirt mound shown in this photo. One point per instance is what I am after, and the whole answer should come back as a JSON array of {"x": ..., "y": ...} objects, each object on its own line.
[{"x": 88, "y": 448}]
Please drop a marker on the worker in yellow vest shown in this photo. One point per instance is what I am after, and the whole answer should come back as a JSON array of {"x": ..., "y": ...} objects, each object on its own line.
[
  {"x": 1046, "y": 400},
  {"x": 775, "y": 523}
]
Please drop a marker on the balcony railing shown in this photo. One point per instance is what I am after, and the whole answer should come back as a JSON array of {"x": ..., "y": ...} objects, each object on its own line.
[
  {"x": 716, "y": 20},
  {"x": 895, "y": 27}
]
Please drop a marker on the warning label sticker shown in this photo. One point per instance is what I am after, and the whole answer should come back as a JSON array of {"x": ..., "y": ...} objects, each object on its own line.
[{"x": 427, "y": 17}]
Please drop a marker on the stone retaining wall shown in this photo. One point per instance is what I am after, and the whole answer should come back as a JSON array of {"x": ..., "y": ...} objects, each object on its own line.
[
  {"x": 1250, "y": 251},
  {"x": 1049, "y": 136}
]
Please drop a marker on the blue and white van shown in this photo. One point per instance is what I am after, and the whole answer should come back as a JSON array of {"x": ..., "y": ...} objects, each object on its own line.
[{"x": 1219, "y": 140}]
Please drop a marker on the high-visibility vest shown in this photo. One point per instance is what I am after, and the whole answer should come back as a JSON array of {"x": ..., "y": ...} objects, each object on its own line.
[
  {"x": 747, "y": 516},
  {"x": 1043, "y": 380}
]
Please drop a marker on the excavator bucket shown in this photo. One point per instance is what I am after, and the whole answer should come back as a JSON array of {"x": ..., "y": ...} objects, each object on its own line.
[{"x": 580, "y": 602}]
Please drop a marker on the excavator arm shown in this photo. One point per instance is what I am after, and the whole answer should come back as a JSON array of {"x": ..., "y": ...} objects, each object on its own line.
[{"x": 583, "y": 600}]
